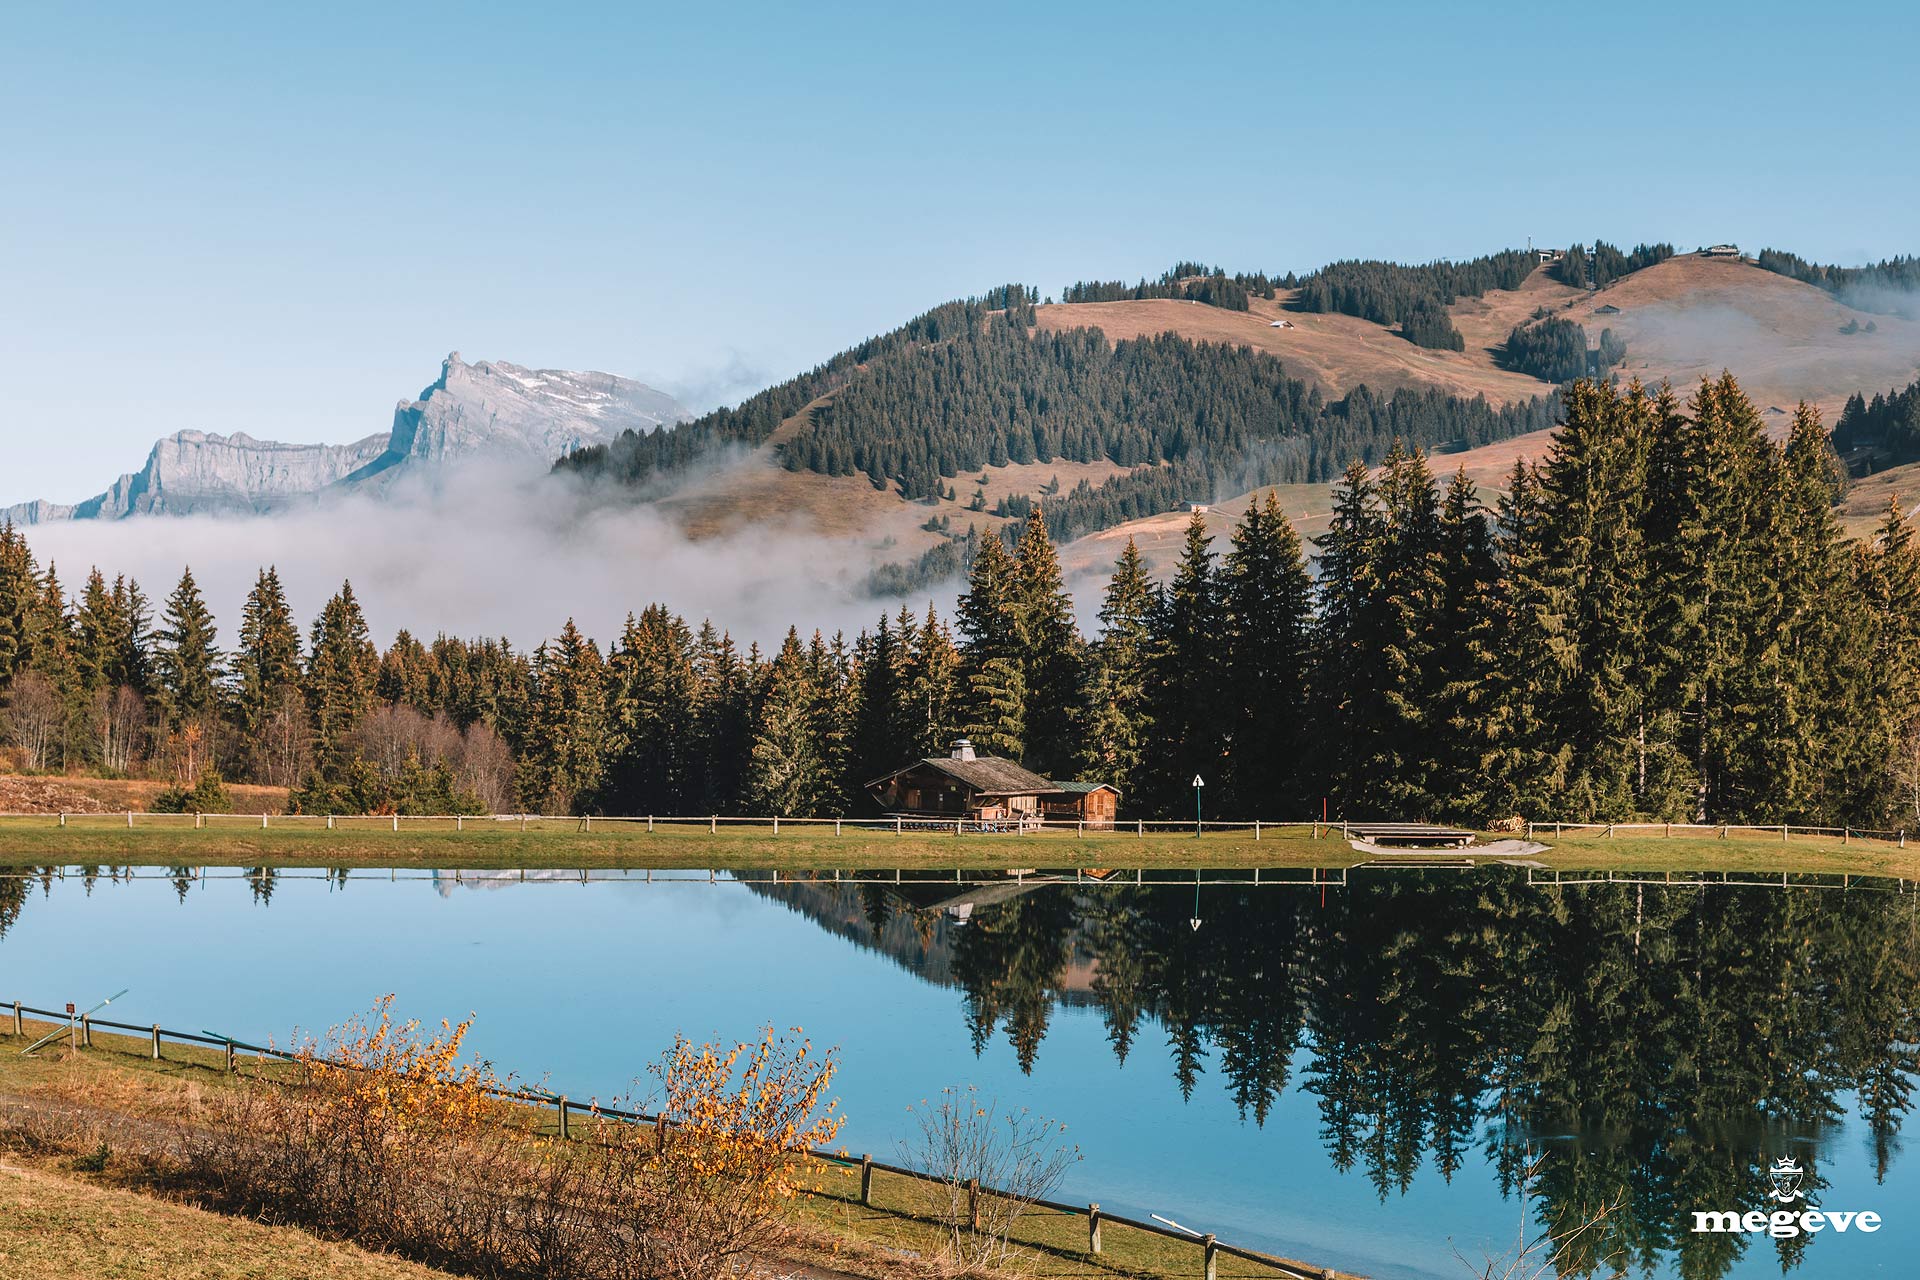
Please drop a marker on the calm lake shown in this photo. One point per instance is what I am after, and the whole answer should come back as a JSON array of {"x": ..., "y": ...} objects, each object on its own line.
[{"x": 1356, "y": 1075}]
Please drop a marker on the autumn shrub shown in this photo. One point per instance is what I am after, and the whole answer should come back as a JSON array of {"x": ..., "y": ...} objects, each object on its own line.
[{"x": 384, "y": 1133}]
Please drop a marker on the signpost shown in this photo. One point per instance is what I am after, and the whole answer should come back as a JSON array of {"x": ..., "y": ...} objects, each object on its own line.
[{"x": 1198, "y": 782}]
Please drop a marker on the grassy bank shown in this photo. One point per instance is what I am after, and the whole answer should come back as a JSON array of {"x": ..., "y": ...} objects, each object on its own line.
[
  {"x": 567, "y": 843},
  {"x": 72, "y": 1184}
]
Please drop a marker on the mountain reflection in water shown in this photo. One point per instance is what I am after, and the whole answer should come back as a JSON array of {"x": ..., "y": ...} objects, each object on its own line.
[{"x": 1653, "y": 1047}]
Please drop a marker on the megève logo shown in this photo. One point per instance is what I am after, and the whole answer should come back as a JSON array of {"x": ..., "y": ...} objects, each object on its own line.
[{"x": 1784, "y": 1177}]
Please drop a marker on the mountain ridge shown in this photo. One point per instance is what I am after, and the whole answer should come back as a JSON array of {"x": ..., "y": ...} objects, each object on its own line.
[{"x": 487, "y": 409}]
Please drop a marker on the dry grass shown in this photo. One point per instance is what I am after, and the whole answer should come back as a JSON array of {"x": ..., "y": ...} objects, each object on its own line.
[
  {"x": 55, "y": 793},
  {"x": 1333, "y": 352},
  {"x": 57, "y": 1227}
]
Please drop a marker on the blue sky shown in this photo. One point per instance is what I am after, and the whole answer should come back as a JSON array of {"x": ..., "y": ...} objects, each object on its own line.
[{"x": 278, "y": 221}]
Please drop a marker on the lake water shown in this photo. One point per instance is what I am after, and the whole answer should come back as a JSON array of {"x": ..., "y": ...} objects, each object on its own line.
[{"x": 1355, "y": 1075}]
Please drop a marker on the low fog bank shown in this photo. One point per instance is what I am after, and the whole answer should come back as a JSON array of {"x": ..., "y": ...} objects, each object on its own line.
[{"x": 486, "y": 551}]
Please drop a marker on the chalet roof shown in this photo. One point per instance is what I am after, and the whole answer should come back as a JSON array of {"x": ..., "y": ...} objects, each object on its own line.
[
  {"x": 1084, "y": 788},
  {"x": 990, "y": 774}
]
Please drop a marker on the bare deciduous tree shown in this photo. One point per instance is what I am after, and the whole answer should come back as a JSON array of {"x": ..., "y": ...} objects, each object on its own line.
[
  {"x": 988, "y": 1167},
  {"x": 118, "y": 717},
  {"x": 34, "y": 718}
]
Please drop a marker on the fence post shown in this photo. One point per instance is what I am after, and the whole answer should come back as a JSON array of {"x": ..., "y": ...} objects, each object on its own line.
[
  {"x": 565, "y": 1132},
  {"x": 1783, "y": 833},
  {"x": 229, "y": 1055},
  {"x": 459, "y": 822},
  {"x": 1846, "y": 833},
  {"x": 129, "y": 819},
  {"x": 866, "y": 1180},
  {"x": 263, "y": 822},
  {"x": 973, "y": 1203},
  {"x": 776, "y": 824},
  {"x": 1213, "y": 1253},
  {"x": 86, "y": 1031},
  {"x": 329, "y": 822},
  {"x": 16, "y": 1019},
  {"x": 896, "y": 826},
  {"x": 1093, "y": 1227},
  {"x": 156, "y": 1042},
  {"x": 63, "y": 819},
  {"x": 1609, "y": 831},
  {"x": 1140, "y": 828},
  {"x": 836, "y": 826},
  {"x": 659, "y": 1134},
  {"x": 1256, "y": 828},
  {"x": 396, "y": 822},
  {"x": 649, "y": 824},
  {"x": 1079, "y": 829},
  {"x": 713, "y": 825},
  {"x": 196, "y": 822}
]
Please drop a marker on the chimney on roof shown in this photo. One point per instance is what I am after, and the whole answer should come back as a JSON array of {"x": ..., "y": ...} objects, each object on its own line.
[{"x": 962, "y": 749}]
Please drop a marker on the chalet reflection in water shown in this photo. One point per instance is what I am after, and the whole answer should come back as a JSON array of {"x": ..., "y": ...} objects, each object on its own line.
[{"x": 1650, "y": 1046}]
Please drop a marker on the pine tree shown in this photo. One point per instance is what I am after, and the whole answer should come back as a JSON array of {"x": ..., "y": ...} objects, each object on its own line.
[
  {"x": 788, "y": 773},
  {"x": 1050, "y": 645},
  {"x": 722, "y": 722},
  {"x": 405, "y": 677},
  {"x": 342, "y": 666},
  {"x": 561, "y": 766},
  {"x": 652, "y": 762},
  {"x": 19, "y": 597},
  {"x": 266, "y": 666},
  {"x": 187, "y": 661},
  {"x": 1353, "y": 678},
  {"x": 1118, "y": 710},
  {"x": 1401, "y": 768},
  {"x": 1268, "y": 603},
  {"x": 993, "y": 681},
  {"x": 930, "y": 692},
  {"x": 1462, "y": 682},
  {"x": 878, "y": 742},
  {"x": 1709, "y": 523},
  {"x": 1189, "y": 707}
]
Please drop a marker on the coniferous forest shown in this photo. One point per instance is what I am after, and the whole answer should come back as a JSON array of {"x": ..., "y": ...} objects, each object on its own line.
[
  {"x": 1883, "y": 431},
  {"x": 1660, "y": 619}
]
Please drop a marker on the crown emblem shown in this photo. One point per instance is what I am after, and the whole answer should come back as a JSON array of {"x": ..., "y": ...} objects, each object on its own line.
[{"x": 1785, "y": 1174}]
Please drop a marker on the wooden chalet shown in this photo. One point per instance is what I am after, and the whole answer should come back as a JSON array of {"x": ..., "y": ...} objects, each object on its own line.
[{"x": 989, "y": 789}]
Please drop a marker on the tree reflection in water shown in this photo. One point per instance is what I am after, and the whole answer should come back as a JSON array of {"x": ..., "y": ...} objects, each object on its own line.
[{"x": 1657, "y": 1046}]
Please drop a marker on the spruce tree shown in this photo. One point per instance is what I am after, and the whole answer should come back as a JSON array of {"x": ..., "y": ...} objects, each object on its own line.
[
  {"x": 187, "y": 661},
  {"x": 266, "y": 666},
  {"x": 993, "y": 680},
  {"x": 722, "y": 722},
  {"x": 1190, "y": 704},
  {"x": 788, "y": 773},
  {"x": 1353, "y": 681},
  {"x": 930, "y": 689},
  {"x": 652, "y": 760},
  {"x": 1709, "y": 524},
  {"x": 19, "y": 598},
  {"x": 1050, "y": 645},
  {"x": 1462, "y": 681},
  {"x": 342, "y": 666},
  {"x": 561, "y": 766},
  {"x": 1268, "y": 604},
  {"x": 1118, "y": 714}
]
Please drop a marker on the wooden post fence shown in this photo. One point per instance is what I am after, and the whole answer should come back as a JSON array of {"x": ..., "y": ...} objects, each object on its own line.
[
  {"x": 156, "y": 1042},
  {"x": 230, "y": 1063},
  {"x": 973, "y": 1203},
  {"x": 866, "y": 1180},
  {"x": 1213, "y": 1254},
  {"x": 86, "y": 1031},
  {"x": 1093, "y": 1227},
  {"x": 16, "y": 1019},
  {"x": 565, "y": 1132}
]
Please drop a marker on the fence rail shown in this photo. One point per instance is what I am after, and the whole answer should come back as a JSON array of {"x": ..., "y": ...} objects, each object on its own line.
[
  {"x": 80, "y": 1035},
  {"x": 893, "y": 824}
]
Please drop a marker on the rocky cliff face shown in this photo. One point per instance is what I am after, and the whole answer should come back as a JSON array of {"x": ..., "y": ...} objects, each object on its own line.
[{"x": 487, "y": 410}]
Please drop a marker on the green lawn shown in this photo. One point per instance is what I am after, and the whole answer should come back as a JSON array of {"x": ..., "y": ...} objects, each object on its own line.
[{"x": 485, "y": 844}]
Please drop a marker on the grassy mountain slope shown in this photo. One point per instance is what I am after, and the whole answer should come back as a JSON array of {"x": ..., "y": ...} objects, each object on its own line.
[{"x": 1681, "y": 319}]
